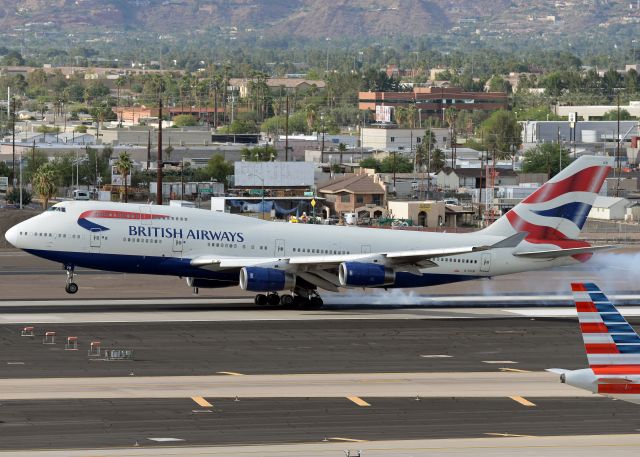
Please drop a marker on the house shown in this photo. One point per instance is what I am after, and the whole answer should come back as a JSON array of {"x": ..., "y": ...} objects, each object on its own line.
[
  {"x": 473, "y": 178},
  {"x": 361, "y": 193},
  {"x": 243, "y": 85},
  {"x": 609, "y": 208},
  {"x": 430, "y": 214}
]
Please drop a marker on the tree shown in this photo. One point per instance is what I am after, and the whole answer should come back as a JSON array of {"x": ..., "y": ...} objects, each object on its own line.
[
  {"x": 612, "y": 115},
  {"x": 217, "y": 169},
  {"x": 370, "y": 162},
  {"x": 44, "y": 183},
  {"x": 501, "y": 134},
  {"x": 544, "y": 158},
  {"x": 396, "y": 163},
  {"x": 499, "y": 84},
  {"x": 437, "y": 160},
  {"x": 264, "y": 153},
  {"x": 342, "y": 148},
  {"x": 124, "y": 166},
  {"x": 184, "y": 120}
]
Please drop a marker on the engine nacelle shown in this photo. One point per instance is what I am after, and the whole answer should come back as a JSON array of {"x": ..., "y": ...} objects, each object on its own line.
[
  {"x": 258, "y": 279},
  {"x": 200, "y": 283},
  {"x": 359, "y": 274}
]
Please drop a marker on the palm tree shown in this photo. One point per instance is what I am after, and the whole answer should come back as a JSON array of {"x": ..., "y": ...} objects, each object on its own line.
[
  {"x": 44, "y": 183},
  {"x": 342, "y": 148},
  {"x": 311, "y": 111},
  {"x": 119, "y": 83},
  {"x": 124, "y": 166}
]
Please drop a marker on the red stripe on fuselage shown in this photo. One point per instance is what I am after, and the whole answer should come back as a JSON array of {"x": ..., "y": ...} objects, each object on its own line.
[
  {"x": 593, "y": 327},
  {"x": 108, "y": 214},
  {"x": 578, "y": 287},
  {"x": 601, "y": 348},
  {"x": 587, "y": 180},
  {"x": 619, "y": 388},
  {"x": 586, "y": 307},
  {"x": 616, "y": 369}
]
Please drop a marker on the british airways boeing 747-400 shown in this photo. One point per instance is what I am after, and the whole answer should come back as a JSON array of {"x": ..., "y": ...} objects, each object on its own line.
[{"x": 288, "y": 263}]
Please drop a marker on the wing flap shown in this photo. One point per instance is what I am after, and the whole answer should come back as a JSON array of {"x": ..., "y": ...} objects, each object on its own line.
[{"x": 555, "y": 253}]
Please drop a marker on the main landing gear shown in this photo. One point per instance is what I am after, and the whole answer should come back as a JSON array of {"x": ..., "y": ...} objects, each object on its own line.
[
  {"x": 302, "y": 298},
  {"x": 71, "y": 287}
]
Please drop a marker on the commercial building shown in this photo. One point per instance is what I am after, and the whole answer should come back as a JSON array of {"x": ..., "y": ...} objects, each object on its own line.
[
  {"x": 390, "y": 138},
  {"x": 430, "y": 214},
  {"x": 433, "y": 101},
  {"x": 596, "y": 112}
]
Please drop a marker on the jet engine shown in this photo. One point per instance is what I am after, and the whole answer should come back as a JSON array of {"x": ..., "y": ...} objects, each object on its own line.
[
  {"x": 358, "y": 274},
  {"x": 258, "y": 279}
]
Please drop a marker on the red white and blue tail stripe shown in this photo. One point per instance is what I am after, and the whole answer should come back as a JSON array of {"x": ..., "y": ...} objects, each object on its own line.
[
  {"x": 557, "y": 211},
  {"x": 612, "y": 345}
]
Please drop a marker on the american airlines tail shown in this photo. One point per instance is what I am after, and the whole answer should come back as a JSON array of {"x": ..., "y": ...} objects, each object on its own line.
[
  {"x": 611, "y": 344},
  {"x": 557, "y": 211}
]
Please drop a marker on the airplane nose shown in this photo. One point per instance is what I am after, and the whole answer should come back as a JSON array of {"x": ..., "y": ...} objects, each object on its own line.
[{"x": 11, "y": 235}]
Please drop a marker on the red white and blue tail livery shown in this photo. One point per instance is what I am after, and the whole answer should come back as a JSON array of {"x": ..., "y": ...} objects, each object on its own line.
[{"x": 612, "y": 346}]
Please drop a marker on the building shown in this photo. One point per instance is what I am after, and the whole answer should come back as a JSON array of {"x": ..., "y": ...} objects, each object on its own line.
[
  {"x": 390, "y": 138},
  {"x": 243, "y": 85},
  {"x": 596, "y": 112},
  {"x": 583, "y": 132},
  {"x": 474, "y": 178},
  {"x": 430, "y": 214},
  {"x": 609, "y": 208},
  {"x": 433, "y": 101},
  {"x": 363, "y": 194}
]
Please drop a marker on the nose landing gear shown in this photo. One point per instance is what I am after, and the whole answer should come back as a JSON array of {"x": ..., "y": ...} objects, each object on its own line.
[{"x": 71, "y": 287}]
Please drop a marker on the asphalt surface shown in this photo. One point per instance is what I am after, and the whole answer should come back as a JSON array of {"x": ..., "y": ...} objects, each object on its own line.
[
  {"x": 117, "y": 423},
  {"x": 284, "y": 347}
]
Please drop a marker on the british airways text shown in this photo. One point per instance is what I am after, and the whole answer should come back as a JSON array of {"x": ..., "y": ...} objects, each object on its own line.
[{"x": 209, "y": 235}]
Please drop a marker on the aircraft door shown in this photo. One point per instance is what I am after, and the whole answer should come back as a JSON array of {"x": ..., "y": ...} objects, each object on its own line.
[
  {"x": 279, "y": 249},
  {"x": 145, "y": 215},
  {"x": 95, "y": 238},
  {"x": 365, "y": 249},
  {"x": 485, "y": 262},
  {"x": 178, "y": 245}
]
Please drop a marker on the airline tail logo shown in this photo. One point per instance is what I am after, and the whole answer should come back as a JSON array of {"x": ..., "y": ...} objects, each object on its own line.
[
  {"x": 85, "y": 223},
  {"x": 612, "y": 345}
]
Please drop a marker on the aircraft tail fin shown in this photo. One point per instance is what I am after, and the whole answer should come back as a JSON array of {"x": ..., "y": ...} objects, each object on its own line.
[
  {"x": 612, "y": 345},
  {"x": 557, "y": 211}
]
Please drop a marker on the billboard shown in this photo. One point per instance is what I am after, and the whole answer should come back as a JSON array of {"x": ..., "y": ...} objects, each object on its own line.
[
  {"x": 274, "y": 174},
  {"x": 383, "y": 113},
  {"x": 116, "y": 178},
  {"x": 4, "y": 183}
]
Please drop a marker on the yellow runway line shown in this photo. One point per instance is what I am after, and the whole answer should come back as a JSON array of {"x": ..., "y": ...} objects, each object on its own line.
[
  {"x": 358, "y": 401},
  {"x": 347, "y": 440},
  {"x": 202, "y": 402},
  {"x": 230, "y": 373},
  {"x": 523, "y": 401},
  {"x": 510, "y": 435}
]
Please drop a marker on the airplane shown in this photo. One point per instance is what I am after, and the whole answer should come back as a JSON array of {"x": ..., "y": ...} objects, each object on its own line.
[
  {"x": 612, "y": 346},
  {"x": 215, "y": 249}
]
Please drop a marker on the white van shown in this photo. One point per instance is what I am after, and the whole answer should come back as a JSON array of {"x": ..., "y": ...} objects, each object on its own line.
[{"x": 81, "y": 195}]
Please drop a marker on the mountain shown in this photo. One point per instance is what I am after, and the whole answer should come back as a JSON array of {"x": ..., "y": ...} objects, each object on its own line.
[{"x": 317, "y": 19}]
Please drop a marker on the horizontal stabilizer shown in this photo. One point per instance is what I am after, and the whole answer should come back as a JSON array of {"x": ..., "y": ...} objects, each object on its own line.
[{"x": 555, "y": 253}]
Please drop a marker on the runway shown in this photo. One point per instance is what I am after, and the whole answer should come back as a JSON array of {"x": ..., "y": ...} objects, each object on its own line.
[
  {"x": 158, "y": 422},
  {"x": 452, "y": 370}
]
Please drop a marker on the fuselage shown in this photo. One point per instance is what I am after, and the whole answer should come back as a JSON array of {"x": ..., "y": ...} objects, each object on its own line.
[{"x": 164, "y": 239}]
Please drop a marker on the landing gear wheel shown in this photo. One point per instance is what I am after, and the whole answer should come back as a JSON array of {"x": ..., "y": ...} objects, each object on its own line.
[
  {"x": 261, "y": 300},
  {"x": 315, "y": 302},
  {"x": 300, "y": 301},
  {"x": 71, "y": 288},
  {"x": 273, "y": 299},
  {"x": 286, "y": 300}
]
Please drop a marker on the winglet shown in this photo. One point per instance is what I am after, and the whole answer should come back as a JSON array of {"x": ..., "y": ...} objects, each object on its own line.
[{"x": 511, "y": 241}]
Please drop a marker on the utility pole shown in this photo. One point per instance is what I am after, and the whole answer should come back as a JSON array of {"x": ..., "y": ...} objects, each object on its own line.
[
  {"x": 159, "y": 166},
  {"x": 286, "y": 130},
  {"x": 149, "y": 149},
  {"x": 618, "y": 167},
  {"x": 322, "y": 148},
  {"x": 13, "y": 141}
]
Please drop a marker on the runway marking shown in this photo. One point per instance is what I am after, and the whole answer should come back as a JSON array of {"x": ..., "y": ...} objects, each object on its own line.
[
  {"x": 229, "y": 373},
  {"x": 523, "y": 401},
  {"x": 202, "y": 402},
  {"x": 346, "y": 440},
  {"x": 498, "y": 361},
  {"x": 15, "y": 363},
  {"x": 435, "y": 356},
  {"x": 165, "y": 440},
  {"x": 509, "y": 435},
  {"x": 197, "y": 411},
  {"x": 514, "y": 370},
  {"x": 358, "y": 401}
]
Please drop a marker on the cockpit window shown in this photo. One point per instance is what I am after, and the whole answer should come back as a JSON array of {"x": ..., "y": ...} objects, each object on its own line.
[{"x": 61, "y": 209}]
